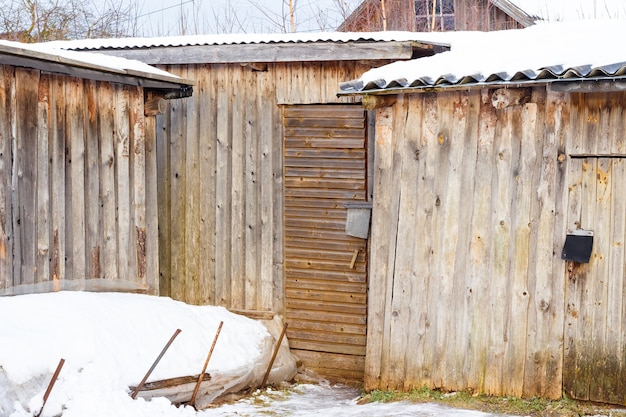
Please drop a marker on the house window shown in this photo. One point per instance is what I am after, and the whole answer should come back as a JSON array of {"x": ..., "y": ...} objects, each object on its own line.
[{"x": 443, "y": 19}]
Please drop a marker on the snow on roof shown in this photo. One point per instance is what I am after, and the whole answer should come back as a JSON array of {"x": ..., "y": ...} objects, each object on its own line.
[
  {"x": 568, "y": 10},
  {"x": 541, "y": 53},
  {"x": 89, "y": 60},
  {"x": 234, "y": 39}
]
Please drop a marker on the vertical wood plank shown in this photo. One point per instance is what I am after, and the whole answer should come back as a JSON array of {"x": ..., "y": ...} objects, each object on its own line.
[
  {"x": 223, "y": 191},
  {"x": 93, "y": 241},
  {"x": 429, "y": 202},
  {"x": 25, "y": 193},
  {"x": 208, "y": 154},
  {"x": 152, "y": 208},
  {"x": 405, "y": 177},
  {"x": 597, "y": 356},
  {"x": 237, "y": 194},
  {"x": 137, "y": 180},
  {"x": 501, "y": 226},
  {"x": 42, "y": 269},
  {"x": 252, "y": 190},
  {"x": 192, "y": 195},
  {"x": 57, "y": 177},
  {"x": 480, "y": 252},
  {"x": 122, "y": 181},
  {"x": 107, "y": 162},
  {"x": 419, "y": 326},
  {"x": 270, "y": 166},
  {"x": 164, "y": 144},
  {"x": 7, "y": 77},
  {"x": 466, "y": 127},
  {"x": 376, "y": 359}
]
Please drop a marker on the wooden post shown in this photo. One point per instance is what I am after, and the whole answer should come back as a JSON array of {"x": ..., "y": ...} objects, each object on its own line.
[
  {"x": 206, "y": 363},
  {"x": 269, "y": 367},
  {"x": 51, "y": 385},
  {"x": 143, "y": 381}
]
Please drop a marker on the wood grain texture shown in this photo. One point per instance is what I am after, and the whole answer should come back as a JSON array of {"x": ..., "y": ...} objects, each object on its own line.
[
  {"x": 494, "y": 307},
  {"x": 72, "y": 200}
]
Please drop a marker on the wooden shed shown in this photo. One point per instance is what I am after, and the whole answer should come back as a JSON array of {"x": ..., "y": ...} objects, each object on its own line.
[
  {"x": 497, "y": 260},
  {"x": 78, "y": 192},
  {"x": 257, "y": 172}
]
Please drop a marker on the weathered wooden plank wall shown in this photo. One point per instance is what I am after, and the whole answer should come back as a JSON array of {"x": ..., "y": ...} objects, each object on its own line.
[
  {"x": 73, "y": 186},
  {"x": 221, "y": 191},
  {"x": 463, "y": 292}
]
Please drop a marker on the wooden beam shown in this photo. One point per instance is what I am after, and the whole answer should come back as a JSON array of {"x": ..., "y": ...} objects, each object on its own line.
[
  {"x": 154, "y": 106},
  {"x": 376, "y": 102},
  {"x": 270, "y": 52},
  {"x": 507, "y": 97}
]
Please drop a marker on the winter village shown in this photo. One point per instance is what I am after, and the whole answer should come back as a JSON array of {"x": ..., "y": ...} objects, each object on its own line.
[{"x": 429, "y": 195}]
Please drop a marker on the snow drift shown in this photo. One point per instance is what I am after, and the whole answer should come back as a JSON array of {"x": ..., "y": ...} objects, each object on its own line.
[{"x": 110, "y": 340}]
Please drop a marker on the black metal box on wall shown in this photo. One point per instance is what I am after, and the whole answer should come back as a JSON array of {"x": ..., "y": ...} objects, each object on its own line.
[{"x": 578, "y": 246}]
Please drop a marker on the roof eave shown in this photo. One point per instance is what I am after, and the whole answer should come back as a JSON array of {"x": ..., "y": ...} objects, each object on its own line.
[
  {"x": 75, "y": 68},
  {"x": 515, "y": 12},
  {"x": 279, "y": 52},
  {"x": 572, "y": 85}
]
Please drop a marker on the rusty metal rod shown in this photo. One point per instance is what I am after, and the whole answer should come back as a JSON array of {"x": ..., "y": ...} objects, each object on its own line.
[
  {"x": 206, "y": 363},
  {"x": 269, "y": 367},
  {"x": 51, "y": 385},
  {"x": 145, "y": 378}
]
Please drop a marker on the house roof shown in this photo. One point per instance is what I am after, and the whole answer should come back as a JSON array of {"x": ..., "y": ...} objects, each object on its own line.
[
  {"x": 88, "y": 65},
  {"x": 545, "y": 53},
  {"x": 246, "y": 48}
]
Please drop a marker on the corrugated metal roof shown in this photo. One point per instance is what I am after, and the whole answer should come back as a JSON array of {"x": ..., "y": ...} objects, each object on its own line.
[
  {"x": 542, "y": 75},
  {"x": 540, "y": 54},
  {"x": 234, "y": 39}
]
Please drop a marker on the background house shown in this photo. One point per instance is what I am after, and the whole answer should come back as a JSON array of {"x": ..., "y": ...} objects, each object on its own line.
[
  {"x": 78, "y": 170},
  {"x": 418, "y": 16},
  {"x": 488, "y": 161}
]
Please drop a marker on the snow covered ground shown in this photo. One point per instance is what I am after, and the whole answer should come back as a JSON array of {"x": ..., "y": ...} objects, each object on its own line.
[{"x": 110, "y": 340}]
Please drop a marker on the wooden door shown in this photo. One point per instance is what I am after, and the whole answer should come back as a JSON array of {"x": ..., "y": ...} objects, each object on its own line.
[
  {"x": 595, "y": 323},
  {"x": 325, "y": 168}
]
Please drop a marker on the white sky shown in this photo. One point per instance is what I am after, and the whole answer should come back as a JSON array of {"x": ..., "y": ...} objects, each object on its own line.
[{"x": 163, "y": 17}]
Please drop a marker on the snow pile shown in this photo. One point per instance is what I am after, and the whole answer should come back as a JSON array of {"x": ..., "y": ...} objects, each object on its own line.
[
  {"x": 480, "y": 54},
  {"x": 109, "y": 341}
]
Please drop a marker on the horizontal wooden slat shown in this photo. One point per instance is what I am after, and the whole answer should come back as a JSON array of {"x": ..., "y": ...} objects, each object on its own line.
[
  {"x": 326, "y": 138},
  {"x": 345, "y": 349},
  {"x": 357, "y": 153},
  {"x": 330, "y": 339},
  {"x": 321, "y": 234},
  {"x": 327, "y": 360},
  {"x": 328, "y": 296},
  {"x": 325, "y": 316},
  {"x": 326, "y": 163},
  {"x": 342, "y": 255},
  {"x": 328, "y": 327},
  {"x": 316, "y": 244},
  {"x": 309, "y": 223},
  {"x": 329, "y": 306},
  {"x": 330, "y": 286},
  {"x": 324, "y": 111},
  {"x": 313, "y": 203},
  {"x": 320, "y": 172},
  {"x": 357, "y": 195},
  {"x": 322, "y": 265},
  {"x": 338, "y": 213},
  {"x": 327, "y": 275},
  {"x": 334, "y": 122},
  {"x": 326, "y": 183}
]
